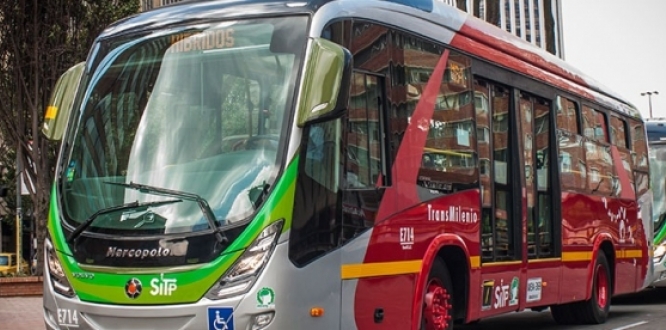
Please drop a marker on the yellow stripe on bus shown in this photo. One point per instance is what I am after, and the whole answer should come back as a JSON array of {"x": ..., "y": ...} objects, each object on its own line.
[
  {"x": 577, "y": 256},
  {"x": 535, "y": 261},
  {"x": 51, "y": 112},
  {"x": 352, "y": 271},
  {"x": 475, "y": 262},
  {"x": 502, "y": 263},
  {"x": 626, "y": 254},
  {"x": 587, "y": 255}
]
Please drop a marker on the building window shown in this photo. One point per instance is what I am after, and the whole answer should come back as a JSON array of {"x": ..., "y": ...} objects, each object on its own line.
[
  {"x": 169, "y": 2},
  {"x": 146, "y": 5},
  {"x": 565, "y": 162},
  {"x": 501, "y": 123},
  {"x": 594, "y": 125},
  {"x": 594, "y": 175},
  {"x": 618, "y": 127},
  {"x": 484, "y": 167},
  {"x": 480, "y": 103},
  {"x": 567, "y": 115},
  {"x": 483, "y": 134}
]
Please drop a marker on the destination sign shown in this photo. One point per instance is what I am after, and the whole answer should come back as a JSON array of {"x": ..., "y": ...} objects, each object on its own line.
[{"x": 200, "y": 41}]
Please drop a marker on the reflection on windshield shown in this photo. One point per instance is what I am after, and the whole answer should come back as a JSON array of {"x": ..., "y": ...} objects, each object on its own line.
[
  {"x": 199, "y": 111},
  {"x": 658, "y": 177},
  {"x": 4, "y": 261}
]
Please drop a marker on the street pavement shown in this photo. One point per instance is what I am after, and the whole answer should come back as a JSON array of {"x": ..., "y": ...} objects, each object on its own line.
[
  {"x": 642, "y": 311},
  {"x": 21, "y": 313}
]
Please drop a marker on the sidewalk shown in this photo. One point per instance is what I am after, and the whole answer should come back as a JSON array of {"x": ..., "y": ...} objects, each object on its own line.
[{"x": 21, "y": 313}]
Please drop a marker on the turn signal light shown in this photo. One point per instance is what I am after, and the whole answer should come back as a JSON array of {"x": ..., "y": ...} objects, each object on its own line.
[{"x": 316, "y": 311}]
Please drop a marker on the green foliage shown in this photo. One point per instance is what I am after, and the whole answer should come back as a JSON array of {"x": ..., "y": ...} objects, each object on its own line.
[{"x": 39, "y": 40}]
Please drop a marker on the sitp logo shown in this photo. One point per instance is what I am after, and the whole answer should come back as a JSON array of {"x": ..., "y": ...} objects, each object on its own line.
[{"x": 163, "y": 286}]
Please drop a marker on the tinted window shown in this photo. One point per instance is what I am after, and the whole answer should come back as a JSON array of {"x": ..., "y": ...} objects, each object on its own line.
[
  {"x": 656, "y": 131},
  {"x": 315, "y": 202},
  {"x": 573, "y": 166},
  {"x": 619, "y": 132}
]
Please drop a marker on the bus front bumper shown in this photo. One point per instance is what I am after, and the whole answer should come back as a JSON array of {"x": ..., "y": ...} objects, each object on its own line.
[
  {"x": 72, "y": 313},
  {"x": 659, "y": 272},
  {"x": 295, "y": 294}
]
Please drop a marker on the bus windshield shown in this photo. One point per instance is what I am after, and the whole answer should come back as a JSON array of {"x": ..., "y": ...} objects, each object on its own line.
[
  {"x": 656, "y": 130},
  {"x": 198, "y": 110},
  {"x": 658, "y": 177}
]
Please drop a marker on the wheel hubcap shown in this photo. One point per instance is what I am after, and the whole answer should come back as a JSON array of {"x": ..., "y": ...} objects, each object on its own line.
[
  {"x": 602, "y": 287},
  {"x": 437, "y": 308}
]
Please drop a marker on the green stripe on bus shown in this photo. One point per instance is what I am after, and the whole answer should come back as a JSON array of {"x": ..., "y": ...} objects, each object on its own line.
[{"x": 192, "y": 285}]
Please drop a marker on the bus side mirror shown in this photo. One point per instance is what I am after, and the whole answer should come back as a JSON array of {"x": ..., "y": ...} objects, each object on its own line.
[
  {"x": 324, "y": 91},
  {"x": 61, "y": 102}
]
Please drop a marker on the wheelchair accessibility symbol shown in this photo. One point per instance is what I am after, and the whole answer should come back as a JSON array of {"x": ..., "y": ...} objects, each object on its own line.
[{"x": 220, "y": 318}]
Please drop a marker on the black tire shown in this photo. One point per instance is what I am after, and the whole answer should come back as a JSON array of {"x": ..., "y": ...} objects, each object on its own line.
[
  {"x": 564, "y": 314},
  {"x": 438, "y": 277},
  {"x": 593, "y": 310}
]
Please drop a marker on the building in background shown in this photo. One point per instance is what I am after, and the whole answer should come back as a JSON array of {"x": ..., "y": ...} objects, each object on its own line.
[
  {"x": 536, "y": 21},
  {"x": 150, "y": 4}
]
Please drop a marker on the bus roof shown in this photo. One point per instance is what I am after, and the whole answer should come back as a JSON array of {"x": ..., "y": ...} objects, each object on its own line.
[{"x": 515, "y": 50}]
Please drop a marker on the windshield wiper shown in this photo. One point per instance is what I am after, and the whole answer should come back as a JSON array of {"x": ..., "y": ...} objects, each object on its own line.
[
  {"x": 137, "y": 206},
  {"x": 258, "y": 193},
  {"x": 203, "y": 204}
]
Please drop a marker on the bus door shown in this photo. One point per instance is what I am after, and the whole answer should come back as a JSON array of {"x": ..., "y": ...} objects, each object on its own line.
[
  {"x": 540, "y": 237},
  {"x": 501, "y": 249},
  {"x": 363, "y": 181}
]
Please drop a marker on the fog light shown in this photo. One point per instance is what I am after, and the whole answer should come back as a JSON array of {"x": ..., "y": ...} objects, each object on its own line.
[{"x": 261, "y": 321}]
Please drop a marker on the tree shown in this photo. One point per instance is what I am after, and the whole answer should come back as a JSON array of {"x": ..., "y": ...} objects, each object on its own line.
[{"x": 39, "y": 40}]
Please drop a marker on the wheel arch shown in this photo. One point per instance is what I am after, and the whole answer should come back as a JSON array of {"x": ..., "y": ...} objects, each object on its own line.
[{"x": 454, "y": 253}]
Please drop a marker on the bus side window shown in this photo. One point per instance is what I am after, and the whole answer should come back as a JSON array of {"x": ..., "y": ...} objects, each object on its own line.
[
  {"x": 482, "y": 105},
  {"x": 449, "y": 158},
  {"x": 619, "y": 132},
  {"x": 620, "y": 140},
  {"x": 601, "y": 179},
  {"x": 363, "y": 165},
  {"x": 365, "y": 169},
  {"x": 567, "y": 115},
  {"x": 639, "y": 155},
  {"x": 573, "y": 166}
]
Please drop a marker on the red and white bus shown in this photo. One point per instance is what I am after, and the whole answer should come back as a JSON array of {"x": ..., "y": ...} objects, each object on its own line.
[
  {"x": 501, "y": 178},
  {"x": 343, "y": 164}
]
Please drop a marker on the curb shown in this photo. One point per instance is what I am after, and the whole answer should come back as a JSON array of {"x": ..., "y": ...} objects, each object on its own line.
[{"x": 21, "y": 286}]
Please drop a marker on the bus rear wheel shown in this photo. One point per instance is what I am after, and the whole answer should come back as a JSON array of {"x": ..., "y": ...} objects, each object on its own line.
[
  {"x": 437, "y": 311},
  {"x": 594, "y": 310}
]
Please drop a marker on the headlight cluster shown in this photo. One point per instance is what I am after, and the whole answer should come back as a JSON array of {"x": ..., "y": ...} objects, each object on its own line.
[
  {"x": 242, "y": 275},
  {"x": 58, "y": 279},
  {"x": 659, "y": 252}
]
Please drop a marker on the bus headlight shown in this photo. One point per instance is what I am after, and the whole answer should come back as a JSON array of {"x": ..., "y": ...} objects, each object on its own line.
[
  {"x": 242, "y": 275},
  {"x": 58, "y": 279},
  {"x": 659, "y": 252}
]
